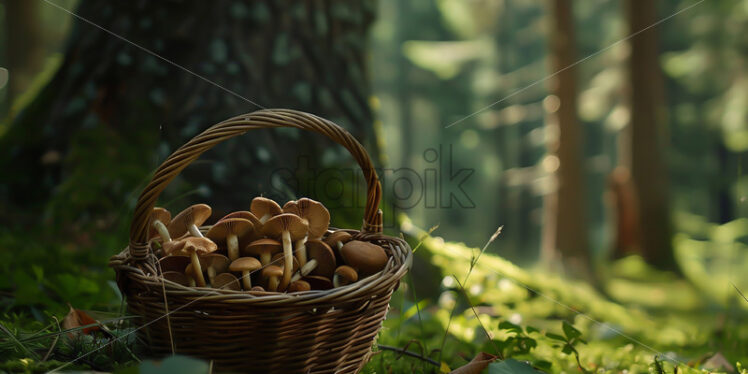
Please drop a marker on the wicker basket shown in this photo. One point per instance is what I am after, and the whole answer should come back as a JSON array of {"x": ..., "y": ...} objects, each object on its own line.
[{"x": 329, "y": 331}]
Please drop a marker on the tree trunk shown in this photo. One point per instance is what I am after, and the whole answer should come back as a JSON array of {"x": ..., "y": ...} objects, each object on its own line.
[
  {"x": 644, "y": 143},
  {"x": 565, "y": 231},
  {"x": 113, "y": 112},
  {"x": 24, "y": 43}
]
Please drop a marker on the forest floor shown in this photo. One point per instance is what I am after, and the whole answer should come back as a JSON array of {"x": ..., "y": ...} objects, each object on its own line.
[{"x": 523, "y": 320}]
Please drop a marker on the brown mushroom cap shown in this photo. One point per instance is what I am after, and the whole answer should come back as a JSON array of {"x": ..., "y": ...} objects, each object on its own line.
[
  {"x": 245, "y": 264},
  {"x": 262, "y": 206},
  {"x": 158, "y": 214},
  {"x": 272, "y": 273},
  {"x": 262, "y": 246},
  {"x": 227, "y": 281},
  {"x": 285, "y": 222},
  {"x": 338, "y": 236},
  {"x": 365, "y": 257},
  {"x": 318, "y": 283},
  {"x": 323, "y": 255},
  {"x": 176, "y": 277},
  {"x": 299, "y": 286},
  {"x": 230, "y": 226},
  {"x": 218, "y": 262},
  {"x": 194, "y": 215},
  {"x": 201, "y": 246},
  {"x": 243, "y": 214},
  {"x": 347, "y": 273},
  {"x": 313, "y": 213},
  {"x": 257, "y": 289},
  {"x": 173, "y": 263}
]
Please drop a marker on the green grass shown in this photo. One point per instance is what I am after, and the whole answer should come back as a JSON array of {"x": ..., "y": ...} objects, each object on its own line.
[{"x": 647, "y": 321}]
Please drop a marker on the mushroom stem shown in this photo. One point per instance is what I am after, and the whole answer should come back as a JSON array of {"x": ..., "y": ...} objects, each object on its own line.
[
  {"x": 301, "y": 251},
  {"x": 247, "y": 280},
  {"x": 197, "y": 269},
  {"x": 310, "y": 265},
  {"x": 232, "y": 242},
  {"x": 211, "y": 274},
  {"x": 265, "y": 218},
  {"x": 162, "y": 230},
  {"x": 336, "y": 281},
  {"x": 288, "y": 257},
  {"x": 195, "y": 231},
  {"x": 265, "y": 258},
  {"x": 273, "y": 284}
]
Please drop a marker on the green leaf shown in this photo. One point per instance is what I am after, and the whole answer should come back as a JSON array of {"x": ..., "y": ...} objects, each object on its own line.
[
  {"x": 511, "y": 366},
  {"x": 506, "y": 325},
  {"x": 570, "y": 331},
  {"x": 556, "y": 336},
  {"x": 542, "y": 364},
  {"x": 530, "y": 329},
  {"x": 568, "y": 349}
]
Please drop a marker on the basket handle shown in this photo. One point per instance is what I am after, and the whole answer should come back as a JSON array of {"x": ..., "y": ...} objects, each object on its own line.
[{"x": 267, "y": 118}]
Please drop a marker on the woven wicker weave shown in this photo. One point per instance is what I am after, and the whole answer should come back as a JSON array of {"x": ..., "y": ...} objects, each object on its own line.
[{"x": 329, "y": 331}]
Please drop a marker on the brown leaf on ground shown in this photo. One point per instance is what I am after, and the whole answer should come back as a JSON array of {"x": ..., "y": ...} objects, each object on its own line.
[
  {"x": 77, "y": 318},
  {"x": 718, "y": 362},
  {"x": 479, "y": 363}
]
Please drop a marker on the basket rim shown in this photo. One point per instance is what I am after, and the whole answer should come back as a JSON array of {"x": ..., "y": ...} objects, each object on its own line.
[{"x": 399, "y": 262}]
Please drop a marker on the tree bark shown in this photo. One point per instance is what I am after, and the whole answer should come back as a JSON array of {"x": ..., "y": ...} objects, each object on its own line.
[
  {"x": 113, "y": 111},
  {"x": 644, "y": 140},
  {"x": 24, "y": 43},
  {"x": 565, "y": 231}
]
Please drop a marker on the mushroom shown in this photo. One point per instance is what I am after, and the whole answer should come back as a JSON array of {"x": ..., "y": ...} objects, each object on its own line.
[
  {"x": 243, "y": 214},
  {"x": 230, "y": 231},
  {"x": 336, "y": 241},
  {"x": 272, "y": 273},
  {"x": 264, "y": 208},
  {"x": 190, "y": 275},
  {"x": 344, "y": 275},
  {"x": 315, "y": 215},
  {"x": 321, "y": 260},
  {"x": 245, "y": 265},
  {"x": 176, "y": 277},
  {"x": 318, "y": 283},
  {"x": 226, "y": 281},
  {"x": 264, "y": 248},
  {"x": 160, "y": 217},
  {"x": 366, "y": 258},
  {"x": 214, "y": 263},
  {"x": 277, "y": 260},
  {"x": 299, "y": 286},
  {"x": 173, "y": 263},
  {"x": 188, "y": 220},
  {"x": 257, "y": 289},
  {"x": 290, "y": 228},
  {"x": 194, "y": 247}
]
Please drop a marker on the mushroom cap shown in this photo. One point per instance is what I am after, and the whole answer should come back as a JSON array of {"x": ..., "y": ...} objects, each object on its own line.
[
  {"x": 299, "y": 286},
  {"x": 218, "y": 262},
  {"x": 230, "y": 226},
  {"x": 318, "y": 282},
  {"x": 277, "y": 260},
  {"x": 194, "y": 215},
  {"x": 261, "y": 206},
  {"x": 292, "y": 223},
  {"x": 259, "y": 246},
  {"x": 173, "y": 246},
  {"x": 272, "y": 271},
  {"x": 243, "y": 214},
  {"x": 245, "y": 264},
  {"x": 313, "y": 212},
  {"x": 338, "y": 236},
  {"x": 368, "y": 258},
  {"x": 159, "y": 214},
  {"x": 227, "y": 281},
  {"x": 173, "y": 263},
  {"x": 176, "y": 277},
  {"x": 325, "y": 257},
  {"x": 347, "y": 272},
  {"x": 257, "y": 289},
  {"x": 201, "y": 246}
]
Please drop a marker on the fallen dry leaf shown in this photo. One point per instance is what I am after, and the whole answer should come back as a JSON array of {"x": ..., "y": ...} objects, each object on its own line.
[
  {"x": 479, "y": 363},
  {"x": 77, "y": 318}
]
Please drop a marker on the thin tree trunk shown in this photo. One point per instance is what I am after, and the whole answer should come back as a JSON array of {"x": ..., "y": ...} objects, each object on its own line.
[
  {"x": 566, "y": 230},
  {"x": 644, "y": 141},
  {"x": 24, "y": 43}
]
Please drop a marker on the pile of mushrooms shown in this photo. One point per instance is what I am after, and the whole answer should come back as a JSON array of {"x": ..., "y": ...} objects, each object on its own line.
[{"x": 268, "y": 248}]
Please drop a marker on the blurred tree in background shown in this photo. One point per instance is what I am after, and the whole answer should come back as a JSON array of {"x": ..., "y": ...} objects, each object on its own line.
[{"x": 112, "y": 111}]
